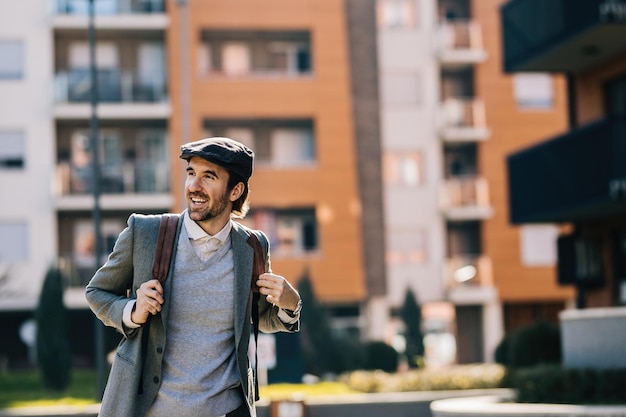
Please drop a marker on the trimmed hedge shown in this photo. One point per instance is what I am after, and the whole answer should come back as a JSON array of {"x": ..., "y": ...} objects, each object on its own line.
[
  {"x": 557, "y": 385},
  {"x": 453, "y": 377}
]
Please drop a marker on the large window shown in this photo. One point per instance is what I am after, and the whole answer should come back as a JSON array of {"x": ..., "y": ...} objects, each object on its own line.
[
  {"x": 12, "y": 61},
  {"x": 276, "y": 143},
  {"x": 396, "y": 14},
  {"x": 236, "y": 54},
  {"x": 533, "y": 91},
  {"x": 12, "y": 149},
  {"x": 13, "y": 242},
  {"x": 292, "y": 232},
  {"x": 403, "y": 168}
]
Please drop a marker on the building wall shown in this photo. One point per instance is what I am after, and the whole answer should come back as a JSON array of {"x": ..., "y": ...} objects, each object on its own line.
[
  {"x": 410, "y": 128},
  {"x": 325, "y": 97},
  {"x": 27, "y": 192},
  {"x": 590, "y": 89},
  {"x": 512, "y": 129}
]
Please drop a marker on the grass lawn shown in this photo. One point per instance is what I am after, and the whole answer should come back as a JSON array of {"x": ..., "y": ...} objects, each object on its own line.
[{"x": 24, "y": 389}]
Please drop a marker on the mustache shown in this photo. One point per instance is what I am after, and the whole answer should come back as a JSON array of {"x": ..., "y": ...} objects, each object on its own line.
[{"x": 198, "y": 195}]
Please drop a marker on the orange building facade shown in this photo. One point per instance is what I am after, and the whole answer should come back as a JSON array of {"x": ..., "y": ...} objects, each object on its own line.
[{"x": 275, "y": 76}]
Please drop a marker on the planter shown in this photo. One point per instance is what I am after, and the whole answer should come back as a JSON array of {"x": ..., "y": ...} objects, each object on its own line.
[{"x": 501, "y": 406}]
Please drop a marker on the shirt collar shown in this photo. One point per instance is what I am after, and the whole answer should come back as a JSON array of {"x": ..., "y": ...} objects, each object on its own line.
[{"x": 195, "y": 232}]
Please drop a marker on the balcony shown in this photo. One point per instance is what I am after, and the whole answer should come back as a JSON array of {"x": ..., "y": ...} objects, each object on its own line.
[
  {"x": 465, "y": 198},
  {"x": 579, "y": 175},
  {"x": 121, "y": 94},
  {"x": 110, "y": 14},
  {"x": 561, "y": 35},
  {"x": 463, "y": 120},
  {"x": 134, "y": 169},
  {"x": 255, "y": 54},
  {"x": 468, "y": 279},
  {"x": 459, "y": 43}
]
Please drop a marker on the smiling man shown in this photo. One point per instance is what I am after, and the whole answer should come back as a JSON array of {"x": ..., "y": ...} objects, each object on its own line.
[{"x": 193, "y": 360}]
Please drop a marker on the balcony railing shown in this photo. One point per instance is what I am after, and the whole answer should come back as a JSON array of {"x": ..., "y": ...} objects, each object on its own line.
[
  {"x": 114, "y": 86},
  {"x": 468, "y": 270},
  {"x": 460, "y": 42},
  {"x": 465, "y": 192},
  {"x": 460, "y": 35},
  {"x": 108, "y": 7},
  {"x": 128, "y": 178},
  {"x": 463, "y": 119},
  {"x": 579, "y": 175}
]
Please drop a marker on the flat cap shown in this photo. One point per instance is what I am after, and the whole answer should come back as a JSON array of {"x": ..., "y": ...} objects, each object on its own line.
[{"x": 228, "y": 153}]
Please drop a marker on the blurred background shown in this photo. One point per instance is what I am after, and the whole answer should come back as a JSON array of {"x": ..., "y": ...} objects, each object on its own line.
[{"x": 466, "y": 157}]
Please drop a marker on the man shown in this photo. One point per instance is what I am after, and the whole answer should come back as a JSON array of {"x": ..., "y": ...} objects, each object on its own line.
[{"x": 195, "y": 362}]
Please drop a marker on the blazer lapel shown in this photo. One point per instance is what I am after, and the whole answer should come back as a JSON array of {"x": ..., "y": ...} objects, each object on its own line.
[{"x": 242, "y": 257}]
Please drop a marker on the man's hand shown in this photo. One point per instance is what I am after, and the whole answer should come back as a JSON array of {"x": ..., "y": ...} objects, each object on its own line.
[
  {"x": 278, "y": 291},
  {"x": 149, "y": 301}
]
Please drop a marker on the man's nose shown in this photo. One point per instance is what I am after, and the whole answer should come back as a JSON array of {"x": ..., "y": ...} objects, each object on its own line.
[{"x": 193, "y": 183}]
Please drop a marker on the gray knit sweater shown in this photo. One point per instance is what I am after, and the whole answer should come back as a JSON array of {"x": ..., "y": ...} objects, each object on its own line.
[{"x": 200, "y": 375}]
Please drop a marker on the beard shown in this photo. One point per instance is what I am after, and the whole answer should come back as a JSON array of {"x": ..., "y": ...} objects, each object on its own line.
[{"x": 215, "y": 208}]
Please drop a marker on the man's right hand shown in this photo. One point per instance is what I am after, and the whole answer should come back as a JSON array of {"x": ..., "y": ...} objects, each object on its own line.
[{"x": 149, "y": 301}]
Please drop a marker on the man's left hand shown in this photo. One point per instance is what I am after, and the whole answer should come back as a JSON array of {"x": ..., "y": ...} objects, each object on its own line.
[{"x": 278, "y": 291}]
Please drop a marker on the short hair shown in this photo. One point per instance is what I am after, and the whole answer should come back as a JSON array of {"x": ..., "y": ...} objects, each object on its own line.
[{"x": 241, "y": 205}]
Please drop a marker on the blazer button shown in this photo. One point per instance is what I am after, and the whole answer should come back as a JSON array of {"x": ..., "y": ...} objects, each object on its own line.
[
  {"x": 159, "y": 349},
  {"x": 156, "y": 379}
]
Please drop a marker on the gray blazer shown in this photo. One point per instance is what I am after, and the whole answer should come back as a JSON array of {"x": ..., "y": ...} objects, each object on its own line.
[{"x": 128, "y": 266}]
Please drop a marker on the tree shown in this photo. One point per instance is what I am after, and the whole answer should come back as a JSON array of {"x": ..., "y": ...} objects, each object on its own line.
[
  {"x": 53, "y": 348},
  {"x": 412, "y": 316},
  {"x": 317, "y": 340}
]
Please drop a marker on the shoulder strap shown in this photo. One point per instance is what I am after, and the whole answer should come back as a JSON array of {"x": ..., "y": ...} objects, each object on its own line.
[
  {"x": 160, "y": 269},
  {"x": 258, "y": 268},
  {"x": 165, "y": 247}
]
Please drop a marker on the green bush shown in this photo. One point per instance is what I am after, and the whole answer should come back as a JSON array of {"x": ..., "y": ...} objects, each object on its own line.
[
  {"x": 531, "y": 345},
  {"x": 557, "y": 385},
  {"x": 53, "y": 347},
  {"x": 379, "y": 355}
]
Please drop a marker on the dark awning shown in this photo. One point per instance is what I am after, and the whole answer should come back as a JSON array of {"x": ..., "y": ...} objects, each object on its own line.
[{"x": 561, "y": 35}]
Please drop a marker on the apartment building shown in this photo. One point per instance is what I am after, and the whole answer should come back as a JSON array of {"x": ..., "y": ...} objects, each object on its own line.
[
  {"x": 575, "y": 176},
  {"x": 27, "y": 221},
  {"x": 381, "y": 129},
  {"x": 449, "y": 117}
]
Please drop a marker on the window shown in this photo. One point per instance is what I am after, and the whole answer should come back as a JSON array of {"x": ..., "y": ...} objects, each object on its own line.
[
  {"x": 12, "y": 62},
  {"x": 280, "y": 144},
  {"x": 400, "y": 89},
  {"x": 396, "y": 14},
  {"x": 12, "y": 149},
  {"x": 13, "y": 242},
  {"x": 533, "y": 91},
  {"x": 538, "y": 245},
  {"x": 407, "y": 245},
  {"x": 403, "y": 168},
  {"x": 252, "y": 53},
  {"x": 290, "y": 231}
]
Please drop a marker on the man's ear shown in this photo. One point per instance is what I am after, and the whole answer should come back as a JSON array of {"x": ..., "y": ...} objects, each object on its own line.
[{"x": 237, "y": 191}]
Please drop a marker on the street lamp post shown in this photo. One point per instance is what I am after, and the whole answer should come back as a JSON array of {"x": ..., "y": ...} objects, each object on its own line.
[{"x": 95, "y": 164}]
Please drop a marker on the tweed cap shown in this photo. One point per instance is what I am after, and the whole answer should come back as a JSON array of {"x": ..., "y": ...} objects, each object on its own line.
[{"x": 228, "y": 153}]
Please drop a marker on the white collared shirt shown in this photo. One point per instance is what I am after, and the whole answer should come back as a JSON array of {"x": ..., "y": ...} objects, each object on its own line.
[{"x": 205, "y": 245}]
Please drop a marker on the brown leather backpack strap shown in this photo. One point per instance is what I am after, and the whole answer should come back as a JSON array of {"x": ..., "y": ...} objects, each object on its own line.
[
  {"x": 160, "y": 269},
  {"x": 165, "y": 247},
  {"x": 258, "y": 268},
  {"x": 258, "y": 265}
]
